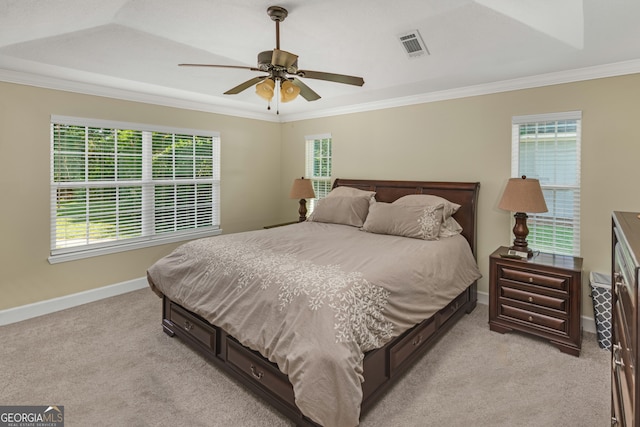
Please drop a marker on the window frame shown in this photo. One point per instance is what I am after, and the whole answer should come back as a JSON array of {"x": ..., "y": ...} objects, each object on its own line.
[
  {"x": 149, "y": 237},
  {"x": 321, "y": 183},
  {"x": 550, "y": 188}
]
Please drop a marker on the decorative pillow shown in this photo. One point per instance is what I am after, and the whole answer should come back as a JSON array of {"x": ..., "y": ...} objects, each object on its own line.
[
  {"x": 351, "y": 192},
  {"x": 450, "y": 226},
  {"x": 418, "y": 222},
  {"x": 341, "y": 210}
]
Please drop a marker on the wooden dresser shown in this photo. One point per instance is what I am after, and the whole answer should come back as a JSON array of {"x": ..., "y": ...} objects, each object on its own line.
[
  {"x": 540, "y": 296},
  {"x": 625, "y": 392}
]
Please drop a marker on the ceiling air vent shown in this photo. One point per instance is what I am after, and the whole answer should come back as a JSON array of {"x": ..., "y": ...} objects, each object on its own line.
[{"x": 413, "y": 44}]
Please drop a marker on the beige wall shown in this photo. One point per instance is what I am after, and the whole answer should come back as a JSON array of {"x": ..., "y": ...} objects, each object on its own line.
[
  {"x": 250, "y": 179},
  {"x": 470, "y": 140},
  {"x": 465, "y": 139}
]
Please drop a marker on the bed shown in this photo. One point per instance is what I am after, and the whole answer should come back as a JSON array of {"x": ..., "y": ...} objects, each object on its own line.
[{"x": 321, "y": 317}]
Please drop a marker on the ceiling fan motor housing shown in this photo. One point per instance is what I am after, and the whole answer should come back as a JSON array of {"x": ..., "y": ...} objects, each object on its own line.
[{"x": 265, "y": 64}]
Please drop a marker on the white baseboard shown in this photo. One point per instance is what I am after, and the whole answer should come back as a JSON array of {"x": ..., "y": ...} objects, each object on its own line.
[
  {"x": 24, "y": 312},
  {"x": 17, "y": 314},
  {"x": 588, "y": 323}
]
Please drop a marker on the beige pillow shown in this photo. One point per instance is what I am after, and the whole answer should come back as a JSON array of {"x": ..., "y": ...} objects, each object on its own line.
[
  {"x": 450, "y": 226},
  {"x": 351, "y": 192},
  {"x": 418, "y": 222},
  {"x": 427, "y": 200},
  {"x": 341, "y": 210}
]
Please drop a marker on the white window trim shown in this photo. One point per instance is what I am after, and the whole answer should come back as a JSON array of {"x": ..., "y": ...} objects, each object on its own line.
[
  {"x": 82, "y": 252},
  {"x": 309, "y": 141},
  {"x": 516, "y": 121}
]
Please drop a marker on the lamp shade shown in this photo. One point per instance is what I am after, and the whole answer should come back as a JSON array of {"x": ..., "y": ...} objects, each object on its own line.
[
  {"x": 288, "y": 91},
  {"x": 523, "y": 195},
  {"x": 302, "y": 189},
  {"x": 265, "y": 88}
]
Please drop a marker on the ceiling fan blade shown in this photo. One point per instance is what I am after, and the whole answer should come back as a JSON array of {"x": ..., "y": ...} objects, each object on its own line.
[
  {"x": 238, "y": 67},
  {"x": 305, "y": 91},
  {"x": 245, "y": 85},
  {"x": 283, "y": 58},
  {"x": 338, "y": 78}
]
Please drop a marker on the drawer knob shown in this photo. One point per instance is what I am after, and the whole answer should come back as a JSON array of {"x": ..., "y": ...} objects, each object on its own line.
[
  {"x": 530, "y": 319},
  {"x": 530, "y": 279},
  {"x": 188, "y": 325},
  {"x": 255, "y": 373},
  {"x": 530, "y": 299}
]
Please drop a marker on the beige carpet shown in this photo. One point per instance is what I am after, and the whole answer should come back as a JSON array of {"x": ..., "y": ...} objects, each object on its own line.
[{"x": 110, "y": 364}]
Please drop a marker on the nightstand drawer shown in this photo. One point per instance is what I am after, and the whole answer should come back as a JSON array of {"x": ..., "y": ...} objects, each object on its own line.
[
  {"x": 549, "y": 281},
  {"x": 535, "y": 319},
  {"x": 534, "y": 298}
]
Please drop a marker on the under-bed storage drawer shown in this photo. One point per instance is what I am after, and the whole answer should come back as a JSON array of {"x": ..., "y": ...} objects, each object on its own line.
[
  {"x": 195, "y": 327},
  {"x": 452, "y": 307},
  {"x": 259, "y": 370},
  {"x": 410, "y": 344}
]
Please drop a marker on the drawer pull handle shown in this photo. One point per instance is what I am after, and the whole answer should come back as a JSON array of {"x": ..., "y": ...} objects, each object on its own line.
[
  {"x": 530, "y": 299},
  {"x": 530, "y": 319},
  {"x": 530, "y": 279},
  {"x": 616, "y": 356},
  {"x": 417, "y": 340},
  {"x": 255, "y": 373},
  {"x": 188, "y": 325}
]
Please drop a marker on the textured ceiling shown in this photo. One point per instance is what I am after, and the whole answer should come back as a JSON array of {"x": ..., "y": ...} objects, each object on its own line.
[{"x": 135, "y": 46}]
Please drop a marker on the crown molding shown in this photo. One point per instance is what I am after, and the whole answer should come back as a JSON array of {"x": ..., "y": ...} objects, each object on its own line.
[
  {"x": 149, "y": 94},
  {"x": 531, "y": 82},
  {"x": 144, "y": 93}
]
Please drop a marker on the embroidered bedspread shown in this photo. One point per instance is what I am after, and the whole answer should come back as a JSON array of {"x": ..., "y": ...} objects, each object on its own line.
[{"x": 313, "y": 297}]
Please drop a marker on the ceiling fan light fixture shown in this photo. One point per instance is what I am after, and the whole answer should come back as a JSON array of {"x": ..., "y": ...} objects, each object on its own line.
[
  {"x": 265, "y": 89},
  {"x": 288, "y": 91}
]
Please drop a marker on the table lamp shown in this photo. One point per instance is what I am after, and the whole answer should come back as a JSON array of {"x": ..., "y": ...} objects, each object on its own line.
[
  {"x": 302, "y": 189},
  {"x": 522, "y": 195}
]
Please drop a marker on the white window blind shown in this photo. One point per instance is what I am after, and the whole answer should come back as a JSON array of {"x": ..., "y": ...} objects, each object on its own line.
[
  {"x": 118, "y": 186},
  {"x": 318, "y": 165},
  {"x": 547, "y": 147}
]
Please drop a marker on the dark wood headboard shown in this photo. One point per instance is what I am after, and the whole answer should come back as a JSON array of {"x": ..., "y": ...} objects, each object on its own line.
[{"x": 463, "y": 193}]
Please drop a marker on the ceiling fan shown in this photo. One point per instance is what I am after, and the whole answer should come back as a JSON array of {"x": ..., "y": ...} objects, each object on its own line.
[{"x": 282, "y": 68}]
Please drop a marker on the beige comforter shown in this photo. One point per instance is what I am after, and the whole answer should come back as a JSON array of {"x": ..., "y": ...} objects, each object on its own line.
[{"x": 313, "y": 297}]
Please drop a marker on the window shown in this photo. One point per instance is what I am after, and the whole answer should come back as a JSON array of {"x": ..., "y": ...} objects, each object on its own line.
[
  {"x": 119, "y": 186},
  {"x": 547, "y": 147},
  {"x": 318, "y": 168}
]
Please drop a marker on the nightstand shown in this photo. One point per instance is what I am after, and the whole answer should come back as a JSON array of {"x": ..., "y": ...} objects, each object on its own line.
[{"x": 540, "y": 296}]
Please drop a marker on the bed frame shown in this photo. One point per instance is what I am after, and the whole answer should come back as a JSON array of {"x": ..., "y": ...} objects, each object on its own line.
[{"x": 383, "y": 366}]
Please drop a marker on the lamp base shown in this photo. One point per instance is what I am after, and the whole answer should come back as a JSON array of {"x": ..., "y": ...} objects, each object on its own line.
[
  {"x": 521, "y": 231},
  {"x": 302, "y": 211},
  {"x": 520, "y": 251}
]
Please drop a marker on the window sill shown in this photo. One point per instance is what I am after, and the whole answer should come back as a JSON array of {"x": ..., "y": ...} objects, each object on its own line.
[{"x": 106, "y": 250}]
